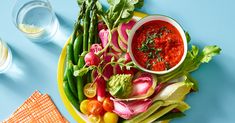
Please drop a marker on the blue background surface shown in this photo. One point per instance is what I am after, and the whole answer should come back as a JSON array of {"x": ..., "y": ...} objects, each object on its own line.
[{"x": 208, "y": 21}]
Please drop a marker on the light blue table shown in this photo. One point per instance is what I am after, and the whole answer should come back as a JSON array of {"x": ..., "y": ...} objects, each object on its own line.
[{"x": 208, "y": 21}]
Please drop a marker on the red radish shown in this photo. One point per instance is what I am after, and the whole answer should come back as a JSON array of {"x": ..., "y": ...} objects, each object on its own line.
[
  {"x": 122, "y": 45},
  {"x": 95, "y": 48},
  {"x": 117, "y": 69},
  {"x": 129, "y": 109},
  {"x": 108, "y": 72},
  {"x": 101, "y": 25},
  {"x": 124, "y": 28},
  {"x": 114, "y": 42},
  {"x": 108, "y": 57},
  {"x": 127, "y": 58},
  {"x": 142, "y": 85},
  {"x": 115, "y": 52},
  {"x": 104, "y": 37},
  {"x": 91, "y": 59},
  {"x": 101, "y": 85}
]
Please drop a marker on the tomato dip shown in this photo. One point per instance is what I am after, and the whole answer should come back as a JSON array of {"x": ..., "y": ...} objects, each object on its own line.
[{"x": 157, "y": 45}]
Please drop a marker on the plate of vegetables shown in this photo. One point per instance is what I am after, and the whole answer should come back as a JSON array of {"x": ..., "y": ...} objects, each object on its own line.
[{"x": 122, "y": 66}]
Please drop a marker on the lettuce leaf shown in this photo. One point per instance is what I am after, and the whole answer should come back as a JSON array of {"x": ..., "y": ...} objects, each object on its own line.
[{"x": 192, "y": 62}]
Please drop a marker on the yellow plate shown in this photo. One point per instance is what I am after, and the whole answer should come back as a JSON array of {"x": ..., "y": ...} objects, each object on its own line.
[{"x": 60, "y": 74}]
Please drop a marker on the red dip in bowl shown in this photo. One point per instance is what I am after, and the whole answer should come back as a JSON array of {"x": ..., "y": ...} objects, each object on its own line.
[{"x": 157, "y": 45}]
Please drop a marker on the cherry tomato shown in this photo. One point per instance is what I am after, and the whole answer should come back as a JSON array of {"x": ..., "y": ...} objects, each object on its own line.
[
  {"x": 95, "y": 118},
  {"x": 110, "y": 117},
  {"x": 90, "y": 90},
  {"x": 108, "y": 105},
  {"x": 94, "y": 107},
  {"x": 83, "y": 106}
]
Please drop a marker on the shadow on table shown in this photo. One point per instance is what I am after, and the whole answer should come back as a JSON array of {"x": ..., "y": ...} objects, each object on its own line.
[
  {"x": 57, "y": 42},
  {"x": 22, "y": 67}
]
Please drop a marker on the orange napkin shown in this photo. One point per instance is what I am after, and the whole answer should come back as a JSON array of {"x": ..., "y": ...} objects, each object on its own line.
[{"x": 37, "y": 108}]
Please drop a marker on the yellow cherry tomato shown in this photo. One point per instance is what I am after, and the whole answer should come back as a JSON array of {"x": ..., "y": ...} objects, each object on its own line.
[
  {"x": 94, "y": 118},
  {"x": 83, "y": 106},
  {"x": 110, "y": 117},
  {"x": 90, "y": 90}
]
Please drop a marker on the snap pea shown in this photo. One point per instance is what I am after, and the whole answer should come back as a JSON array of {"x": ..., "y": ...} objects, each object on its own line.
[
  {"x": 71, "y": 80},
  {"x": 70, "y": 53},
  {"x": 81, "y": 61},
  {"x": 70, "y": 95},
  {"x": 77, "y": 47},
  {"x": 80, "y": 85}
]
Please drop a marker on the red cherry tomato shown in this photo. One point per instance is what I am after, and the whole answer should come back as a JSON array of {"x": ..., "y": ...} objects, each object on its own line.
[
  {"x": 94, "y": 107},
  {"x": 108, "y": 105}
]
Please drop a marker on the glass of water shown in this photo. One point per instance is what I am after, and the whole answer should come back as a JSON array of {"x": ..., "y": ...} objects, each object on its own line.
[
  {"x": 5, "y": 57},
  {"x": 36, "y": 19}
]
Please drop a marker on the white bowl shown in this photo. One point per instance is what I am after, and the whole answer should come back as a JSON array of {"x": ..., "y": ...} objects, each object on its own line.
[{"x": 162, "y": 18}]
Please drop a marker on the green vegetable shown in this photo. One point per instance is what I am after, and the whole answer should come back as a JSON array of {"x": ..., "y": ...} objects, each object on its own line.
[
  {"x": 154, "y": 107},
  {"x": 159, "y": 113},
  {"x": 70, "y": 95},
  {"x": 77, "y": 47},
  {"x": 70, "y": 53},
  {"x": 121, "y": 11},
  {"x": 187, "y": 37},
  {"x": 171, "y": 115},
  {"x": 192, "y": 62},
  {"x": 86, "y": 24},
  {"x": 175, "y": 91},
  {"x": 120, "y": 85},
  {"x": 81, "y": 61},
  {"x": 80, "y": 85},
  {"x": 71, "y": 81},
  {"x": 92, "y": 29}
]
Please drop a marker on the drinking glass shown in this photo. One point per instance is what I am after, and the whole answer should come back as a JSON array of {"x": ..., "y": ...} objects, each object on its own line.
[
  {"x": 5, "y": 57},
  {"x": 36, "y": 19}
]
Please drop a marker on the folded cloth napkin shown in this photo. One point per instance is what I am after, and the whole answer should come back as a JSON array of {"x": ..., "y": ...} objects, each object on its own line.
[{"x": 37, "y": 108}]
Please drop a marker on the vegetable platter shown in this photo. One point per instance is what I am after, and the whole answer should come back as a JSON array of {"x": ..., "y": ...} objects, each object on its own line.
[{"x": 118, "y": 68}]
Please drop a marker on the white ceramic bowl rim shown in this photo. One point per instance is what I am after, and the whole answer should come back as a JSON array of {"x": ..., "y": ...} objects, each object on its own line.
[{"x": 163, "y": 18}]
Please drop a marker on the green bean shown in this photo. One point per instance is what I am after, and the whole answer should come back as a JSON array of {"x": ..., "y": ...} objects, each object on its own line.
[
  {"x": 71, "y": 80},
  {"x": 77, "y": 47},
  {"x": 80, "y": 85},
  {"x": 73, "y": 100}
]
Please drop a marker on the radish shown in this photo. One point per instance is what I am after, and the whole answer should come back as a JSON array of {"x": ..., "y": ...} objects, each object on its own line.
[
  {"x": 127, "y": 58},
  {"x": 124, "y": 28},
  {"x": 104, "y": 35},
  {"x": 101, "y": 85},
  {"x": 101, "y": 25},
  {"x": 129, "y": 109},
  {"x": 91, "y": 59},
  {"x": 114, "y": 42},
  {"x": 122, "y": 45},
  {"x": 95, "y": 48}
]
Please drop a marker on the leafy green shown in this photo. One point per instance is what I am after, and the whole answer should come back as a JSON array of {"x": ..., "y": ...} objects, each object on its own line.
[
  {"x": 121, "y": 11},
  {"x": 187, "y": 37},
  {"x": 192, "y": 62}
]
